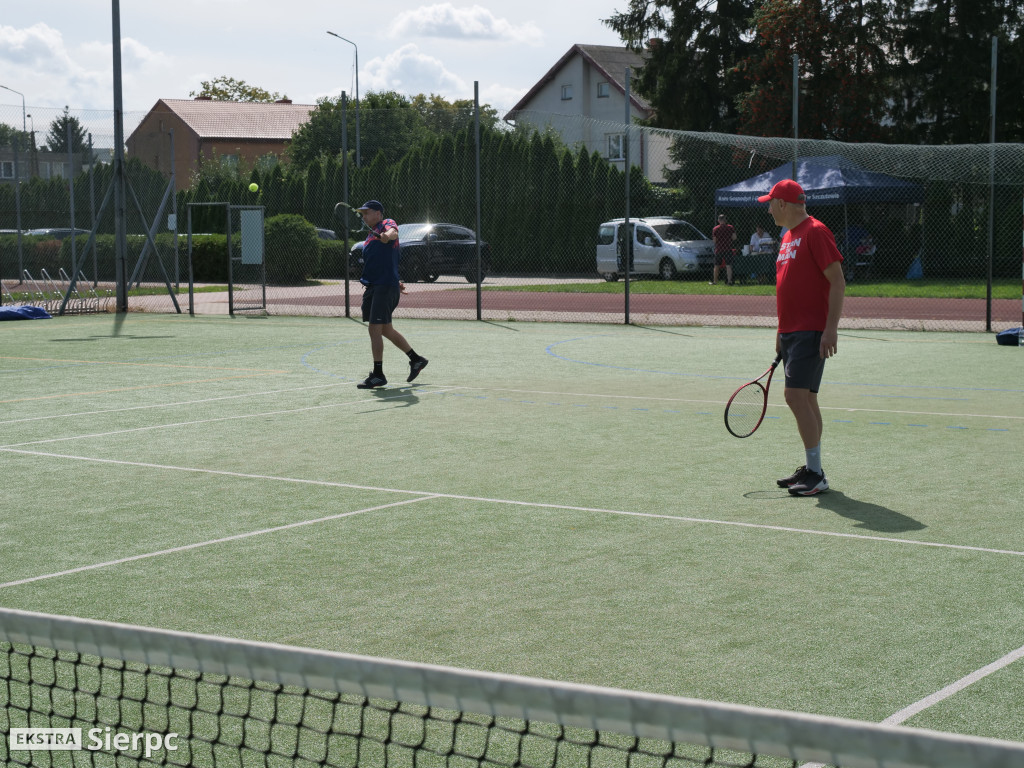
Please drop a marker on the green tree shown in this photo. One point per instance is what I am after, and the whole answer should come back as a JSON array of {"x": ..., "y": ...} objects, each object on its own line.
[
  {"x": 57, "y": 136},
  {"x": 690, "y": 76},
  {"x": 225, "y": 88},
  {"x": 843, "y": 69},
  {"x": 945, "y": 70},
  {"x": 389, "y": 122},
  {"x": 10, "y": 136}
]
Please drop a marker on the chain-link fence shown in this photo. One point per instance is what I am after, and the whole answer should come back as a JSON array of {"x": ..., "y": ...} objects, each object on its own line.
[{"x": 931, "y": 235}]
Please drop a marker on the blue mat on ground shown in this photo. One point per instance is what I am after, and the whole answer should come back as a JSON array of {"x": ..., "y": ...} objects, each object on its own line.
[{"x": 23, "y": 313}]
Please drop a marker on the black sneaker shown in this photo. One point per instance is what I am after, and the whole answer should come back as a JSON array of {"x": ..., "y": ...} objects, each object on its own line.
[
  {"x": 785, "y": 482},
  {"x": 372, "y": 381},
  {"x": 809, "y": 484},
  {"x": 416, "y": 366}
]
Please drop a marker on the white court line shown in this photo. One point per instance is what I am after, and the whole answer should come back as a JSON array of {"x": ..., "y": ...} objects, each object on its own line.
[
  {"x": 446, "y": 388},
  {"x": 514, "y": 502},
  {"x": 174, "y": 405},
  {"x": 722, "y": 403},
  {"x": 919, "y": 706},
  {"x": 220, "y": 418},
  {"x": 896, "y": 718},
  {"x": 197, "y": 545}
]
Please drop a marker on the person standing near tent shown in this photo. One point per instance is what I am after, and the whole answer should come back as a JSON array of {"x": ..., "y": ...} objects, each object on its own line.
[
  {"x": 809, "y": 298},
  {"x": 724, "y": 236}
]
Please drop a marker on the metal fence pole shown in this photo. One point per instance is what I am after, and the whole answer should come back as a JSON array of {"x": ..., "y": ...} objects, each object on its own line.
[
  {"x": 120, "y": 197},
  {"x": 479, "y": 256},
  {"x": 626, "y": 232}
]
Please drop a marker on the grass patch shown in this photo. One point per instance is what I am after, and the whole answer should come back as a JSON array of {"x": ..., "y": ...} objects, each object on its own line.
[{"x": 934, "y": 289}]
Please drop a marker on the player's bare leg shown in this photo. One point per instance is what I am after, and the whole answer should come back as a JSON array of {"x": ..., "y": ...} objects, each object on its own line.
[{"x": 804, "y": 405}]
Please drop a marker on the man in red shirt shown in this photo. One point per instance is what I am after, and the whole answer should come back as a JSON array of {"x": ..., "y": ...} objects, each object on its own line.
[
  {"x": 724, "y": 236},
  {"x": 809, "y": 298}
]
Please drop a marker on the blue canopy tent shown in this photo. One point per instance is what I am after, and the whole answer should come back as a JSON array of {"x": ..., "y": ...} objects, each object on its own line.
[{"x": 826, "y": 181}]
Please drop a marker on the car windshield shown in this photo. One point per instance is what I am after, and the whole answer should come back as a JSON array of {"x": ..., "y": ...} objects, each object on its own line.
[
  {"x": 678, "y": 232},
  {"x": 409, "y": 232}
]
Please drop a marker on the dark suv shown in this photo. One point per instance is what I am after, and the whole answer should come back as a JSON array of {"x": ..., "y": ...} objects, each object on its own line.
[{"x": 430, "y": 250}]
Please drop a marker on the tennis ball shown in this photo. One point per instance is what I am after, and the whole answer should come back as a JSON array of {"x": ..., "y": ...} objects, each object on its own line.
[{"x": 254, "y": 187}]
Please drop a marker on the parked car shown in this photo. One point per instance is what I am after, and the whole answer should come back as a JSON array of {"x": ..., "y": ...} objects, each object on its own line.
[
  {"x": 429, "y": 250},
  {"x": 326, "y": 234},
  {"x": 58, "y": 233},
  {"x": 660, "y": 246}
]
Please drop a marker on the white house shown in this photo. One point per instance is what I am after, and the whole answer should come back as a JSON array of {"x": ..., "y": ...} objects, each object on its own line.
[{"x": 583, "y": 97}]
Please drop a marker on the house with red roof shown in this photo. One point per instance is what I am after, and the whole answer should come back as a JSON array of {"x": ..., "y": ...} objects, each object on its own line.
[{"x": 229, "y": 132}]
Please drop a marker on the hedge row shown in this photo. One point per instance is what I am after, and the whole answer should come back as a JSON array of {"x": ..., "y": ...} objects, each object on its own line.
[{"x": 294, "y": 254}]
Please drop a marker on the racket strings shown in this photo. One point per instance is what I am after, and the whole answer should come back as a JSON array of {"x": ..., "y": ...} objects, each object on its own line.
[{"x": 746, "y": 409}]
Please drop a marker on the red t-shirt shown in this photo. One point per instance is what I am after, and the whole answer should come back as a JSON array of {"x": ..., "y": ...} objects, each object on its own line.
[
  {"x": 801, "y": 291},
  {"x": 723, "y": 237}
]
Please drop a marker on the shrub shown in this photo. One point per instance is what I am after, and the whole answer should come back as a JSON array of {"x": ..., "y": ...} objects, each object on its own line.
[
  {"x": 332, "y": 259},
  {"x": 292, "y": 249}
]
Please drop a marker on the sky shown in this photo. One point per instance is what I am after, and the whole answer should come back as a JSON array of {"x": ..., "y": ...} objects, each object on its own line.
[{"x": 59, "y": 52}]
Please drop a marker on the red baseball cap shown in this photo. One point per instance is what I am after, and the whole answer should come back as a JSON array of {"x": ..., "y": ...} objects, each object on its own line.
[{"x": 787, "y": 190}]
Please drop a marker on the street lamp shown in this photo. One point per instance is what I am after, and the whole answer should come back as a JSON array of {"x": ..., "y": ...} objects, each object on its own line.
[
  {"x": 358, "y": 164},
  {"x": 32, "y": 170},
  {"x": 17, "y": 184}
]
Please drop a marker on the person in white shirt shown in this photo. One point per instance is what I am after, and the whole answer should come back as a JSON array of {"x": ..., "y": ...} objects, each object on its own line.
[{"x": 761, "y": 241}]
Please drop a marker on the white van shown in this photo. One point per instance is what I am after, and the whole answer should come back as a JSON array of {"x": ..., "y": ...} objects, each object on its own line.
[{"x": 661, "y": 246}]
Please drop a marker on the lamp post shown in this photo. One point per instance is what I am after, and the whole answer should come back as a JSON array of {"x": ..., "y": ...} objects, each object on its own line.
[
  {"x": 31, "y": 147},
  {"x": 17, "y": 184},
  {"x": 358, "y": 163}
]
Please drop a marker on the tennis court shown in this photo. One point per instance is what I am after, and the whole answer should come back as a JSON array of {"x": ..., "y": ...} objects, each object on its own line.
[{"x": 551, "y": 500}]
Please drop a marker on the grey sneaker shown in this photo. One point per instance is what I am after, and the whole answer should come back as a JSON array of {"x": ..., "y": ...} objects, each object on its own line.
[
  {"x": 785, "y": 482},
  {"x": 809, "y": 483},
  {"x": 372, "y": 381}
]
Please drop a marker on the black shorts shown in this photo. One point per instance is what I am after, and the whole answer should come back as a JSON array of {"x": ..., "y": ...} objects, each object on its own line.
[
  {"x": 801, "y": 355},
  {"x": 379, "y": 301},
  {"x": 723, "y": 259}
]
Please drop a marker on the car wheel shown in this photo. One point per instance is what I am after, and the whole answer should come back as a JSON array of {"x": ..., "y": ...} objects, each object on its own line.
[
  {"x": 430, "y": 277},
  {"x": 667, "y": 270},
  {"x": 612, "y": 277},
  {"x": 471, "y": 277}
]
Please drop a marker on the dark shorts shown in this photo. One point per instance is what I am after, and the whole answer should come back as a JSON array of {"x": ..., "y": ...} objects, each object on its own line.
[
  {"x": 379, "y": 301},
  {"x": 802, "y": 358},
  {"x": 723, "y": 259}
]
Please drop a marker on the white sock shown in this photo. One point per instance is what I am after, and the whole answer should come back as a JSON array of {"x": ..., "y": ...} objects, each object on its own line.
[{"x": 814, "y": 458}]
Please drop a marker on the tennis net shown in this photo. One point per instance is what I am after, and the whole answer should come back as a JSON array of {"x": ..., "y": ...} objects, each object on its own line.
[{"x": 81, "y": 692}]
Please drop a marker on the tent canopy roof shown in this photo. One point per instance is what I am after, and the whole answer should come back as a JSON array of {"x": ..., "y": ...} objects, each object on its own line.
[{"x": 826, "y": 181}]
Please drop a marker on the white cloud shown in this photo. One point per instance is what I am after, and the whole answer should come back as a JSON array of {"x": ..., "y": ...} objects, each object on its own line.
[
  {"x": 39, "y": 48},
  {"x": 409, "y": 71},
  {"x": 470, "y": 24}
]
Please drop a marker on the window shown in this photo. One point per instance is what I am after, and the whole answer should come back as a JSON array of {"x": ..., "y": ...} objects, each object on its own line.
[
  {"x": 603, "y": 90},
  {"x": 229, "y": 161},
  {"x": 616, "y": 146},
  {"x": 53, "y": 170},
  {"x": 6, "y": 170},
  {"x": 566, "y": 93},
  {"x": 266, "y": 163}
]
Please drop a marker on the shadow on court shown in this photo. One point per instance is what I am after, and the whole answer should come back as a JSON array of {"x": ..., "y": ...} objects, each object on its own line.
[
  {"x": 399, "y": 397},
  {"x": 874, "y": 517}
]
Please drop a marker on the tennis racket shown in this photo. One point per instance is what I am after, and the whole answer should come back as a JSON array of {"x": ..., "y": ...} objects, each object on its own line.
[
  {"x": 746, "y": 408},
  {"x": 357, "y": 212}
]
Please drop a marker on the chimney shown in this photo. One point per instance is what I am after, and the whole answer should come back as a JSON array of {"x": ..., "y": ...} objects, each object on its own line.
[
  {"x": 204, "y": 98},
  {"x": 283, "y": 101}
]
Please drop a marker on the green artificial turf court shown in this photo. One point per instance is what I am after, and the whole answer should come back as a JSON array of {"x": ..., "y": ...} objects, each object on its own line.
[{"x": 553, "y": 500}]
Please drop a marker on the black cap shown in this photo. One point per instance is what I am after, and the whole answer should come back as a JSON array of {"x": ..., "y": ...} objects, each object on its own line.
[{"x": 371, "y": 205}]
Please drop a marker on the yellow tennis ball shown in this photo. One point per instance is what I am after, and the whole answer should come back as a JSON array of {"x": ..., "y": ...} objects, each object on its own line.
[{"x": 254, "y": 187}]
